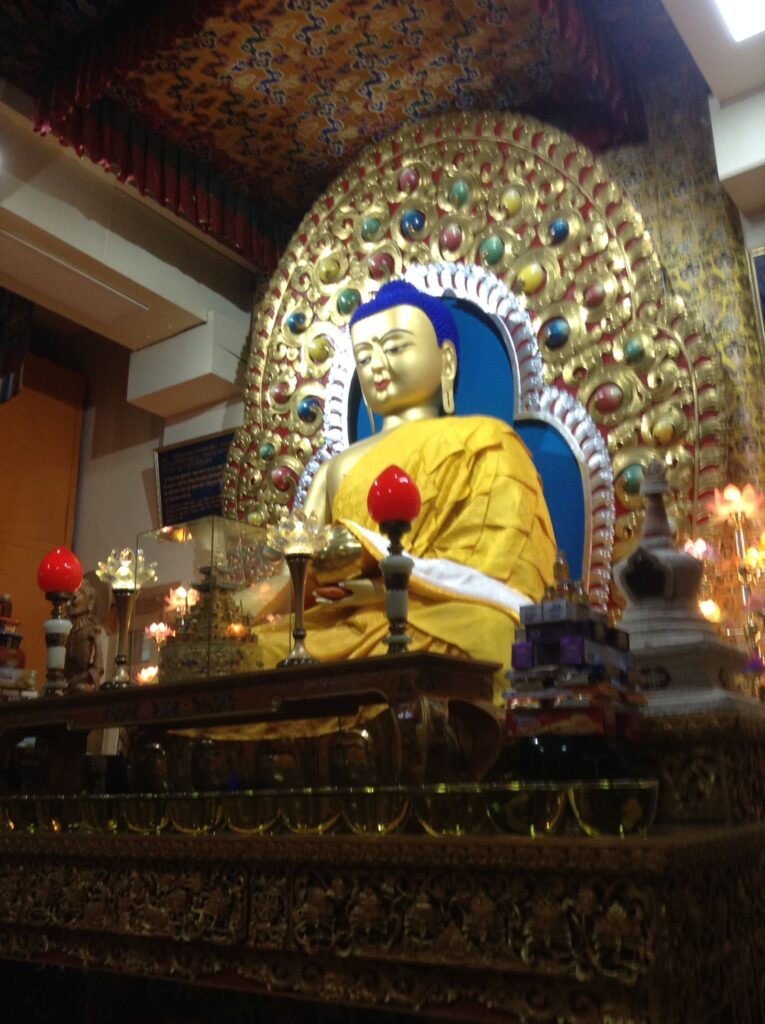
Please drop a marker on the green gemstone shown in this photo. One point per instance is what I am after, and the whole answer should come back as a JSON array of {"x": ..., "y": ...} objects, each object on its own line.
[
  {"x": 459, "y": 193},
  {"x": 370, "y": 226},
  {"x": 632, "y": 478},
  {"x": 492, "y": 250},
  {"x": 634, "y": 350},
  {"x": 266, "y": 451},
  {"x": 347, "y": 301}
]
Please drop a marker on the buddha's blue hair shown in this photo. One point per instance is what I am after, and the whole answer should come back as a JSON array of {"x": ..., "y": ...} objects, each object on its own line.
[{"x": 402, "y": 293}]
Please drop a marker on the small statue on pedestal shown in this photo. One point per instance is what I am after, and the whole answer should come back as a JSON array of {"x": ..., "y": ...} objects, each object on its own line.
[{"x": 88, "y": 608}]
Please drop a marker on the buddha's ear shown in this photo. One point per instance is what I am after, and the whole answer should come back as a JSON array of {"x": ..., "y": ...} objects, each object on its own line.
[{"x": 448, "y": 361}]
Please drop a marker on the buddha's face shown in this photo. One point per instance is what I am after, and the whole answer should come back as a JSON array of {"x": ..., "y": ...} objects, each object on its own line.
[{"x": 399, "y": 361}]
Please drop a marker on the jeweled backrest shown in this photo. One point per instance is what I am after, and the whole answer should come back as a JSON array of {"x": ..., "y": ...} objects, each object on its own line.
[{"x": 538, "y": 211}]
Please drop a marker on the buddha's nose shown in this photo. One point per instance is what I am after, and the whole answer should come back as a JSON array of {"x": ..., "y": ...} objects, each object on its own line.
[{"x": 377, "y": 360}]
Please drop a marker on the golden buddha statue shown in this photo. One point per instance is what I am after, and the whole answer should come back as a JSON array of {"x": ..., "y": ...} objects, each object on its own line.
[{"x": 483, "y": 543}]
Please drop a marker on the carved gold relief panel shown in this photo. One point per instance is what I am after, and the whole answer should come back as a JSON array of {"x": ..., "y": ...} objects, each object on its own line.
[{"x": 542, "y": 214}]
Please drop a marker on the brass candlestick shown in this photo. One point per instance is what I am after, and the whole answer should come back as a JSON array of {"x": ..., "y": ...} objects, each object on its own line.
[
  {"x": 127, "y": 573},
  {"x": 298, "y": 538},
  {"x": 298, "y": 567},
  {"x": 125, "y": 602}
]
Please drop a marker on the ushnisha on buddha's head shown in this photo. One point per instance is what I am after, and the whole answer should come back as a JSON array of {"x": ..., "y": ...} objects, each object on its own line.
[{"x": 405, "y": 346}]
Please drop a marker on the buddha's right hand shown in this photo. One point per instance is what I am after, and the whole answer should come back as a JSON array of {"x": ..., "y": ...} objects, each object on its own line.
[{"x": 344, "y": 558}]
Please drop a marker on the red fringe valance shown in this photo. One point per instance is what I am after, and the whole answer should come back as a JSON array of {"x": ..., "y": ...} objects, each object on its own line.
[
  {"x": 75, "y": 108},
  {"x": 597, "y": 64},
  {"x": 108, "y": 135}
]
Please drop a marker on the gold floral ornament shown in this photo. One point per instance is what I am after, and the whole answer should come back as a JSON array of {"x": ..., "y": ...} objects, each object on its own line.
[
  {"x": 298, "y": 534},
  {"x": 127, "y": 571}
]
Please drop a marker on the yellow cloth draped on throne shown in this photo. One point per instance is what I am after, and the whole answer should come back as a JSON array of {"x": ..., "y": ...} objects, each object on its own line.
[{"x": 482, "y": 507}]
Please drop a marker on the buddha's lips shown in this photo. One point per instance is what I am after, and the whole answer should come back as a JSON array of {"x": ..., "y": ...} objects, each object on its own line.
[{"x": 381, "y": 385}]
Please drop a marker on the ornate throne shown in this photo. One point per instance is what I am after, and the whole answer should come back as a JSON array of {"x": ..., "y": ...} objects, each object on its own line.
[{"x": 567, "y": 331}]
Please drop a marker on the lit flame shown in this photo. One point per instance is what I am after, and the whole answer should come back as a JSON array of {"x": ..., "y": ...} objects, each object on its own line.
[
  {"x": 236, "y": 629},
  {"x": 710, "y": 609},
  {"x": 147, "y": 675},
  {"x": 731, "y": 502}
]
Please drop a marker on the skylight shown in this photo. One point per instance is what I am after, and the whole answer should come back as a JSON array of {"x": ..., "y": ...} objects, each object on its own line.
[{"x": 743, "y": 18}]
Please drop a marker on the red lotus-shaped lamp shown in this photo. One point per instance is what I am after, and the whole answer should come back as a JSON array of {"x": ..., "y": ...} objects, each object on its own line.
[
  {"x": 393, "y": 502},
  {"x": 59, "y": 575}
]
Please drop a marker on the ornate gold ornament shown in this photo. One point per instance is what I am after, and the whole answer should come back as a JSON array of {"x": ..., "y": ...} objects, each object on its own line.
[{"x": 538, "y": 211}]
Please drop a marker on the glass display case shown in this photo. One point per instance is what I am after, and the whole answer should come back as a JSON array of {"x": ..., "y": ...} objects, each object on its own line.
[{"x": 218, "y": 587}]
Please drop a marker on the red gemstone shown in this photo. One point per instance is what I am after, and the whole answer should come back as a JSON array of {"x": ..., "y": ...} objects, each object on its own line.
[
  {"x": 281, "y": 478},
  {"x": 409, "y": 179},
  {"x": 608, "y": 397},
  {"x": 381, "y": 265},
  {"x": 59, "y": 570},
  {"x": 451, "y": 237},
  {"x": 394, "y": 496},
  {"x": 594, "y": 295}
]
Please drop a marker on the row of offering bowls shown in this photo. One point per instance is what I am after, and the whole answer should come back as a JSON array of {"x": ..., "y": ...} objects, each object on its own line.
[{"x": 606, "y": 807}]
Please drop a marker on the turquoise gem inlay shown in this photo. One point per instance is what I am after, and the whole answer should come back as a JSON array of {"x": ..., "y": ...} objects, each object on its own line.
[
  {"x": 370, "y": 227},
  {"x": 634, "y": 350},
  {"x": 459, "y": 193},
  {"x": 632, "y": 478}
]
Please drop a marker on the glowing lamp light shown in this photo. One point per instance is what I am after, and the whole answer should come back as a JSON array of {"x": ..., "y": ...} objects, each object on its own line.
[
  {"x": 731, "y": 503},
  {"x": 711, "y": 610},
  {"x": 147, "y": 675},
  {"x": 60, "y": 571},
  {"x": 236, "y": 629},
  {"x": 159, "y": 632},
  {"x": 394, "y": 497},
  {"x": 699, "y": 549},
  {"x": 179, "y": 599}
]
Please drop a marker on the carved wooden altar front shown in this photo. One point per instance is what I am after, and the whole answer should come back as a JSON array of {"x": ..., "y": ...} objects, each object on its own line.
[
  {"x": 565, "y": 929},
  {"x": 658, "y": 931}
]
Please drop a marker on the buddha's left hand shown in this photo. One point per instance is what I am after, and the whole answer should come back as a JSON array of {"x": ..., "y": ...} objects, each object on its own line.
[{"x": 352, "y": 592}]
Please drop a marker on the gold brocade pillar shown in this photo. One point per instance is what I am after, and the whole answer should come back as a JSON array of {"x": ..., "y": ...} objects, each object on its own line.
[{"x": 673, "y": 181}]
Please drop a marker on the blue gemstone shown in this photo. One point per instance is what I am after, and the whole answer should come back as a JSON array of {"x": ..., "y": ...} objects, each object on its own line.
[
  {"x": 309, "y": 409},
  {"x": 296, "y": 322},
  {"x": 555, "y": 333},
  {"x": 412, "y": 223},
  {"x": 559, "y": 230}
]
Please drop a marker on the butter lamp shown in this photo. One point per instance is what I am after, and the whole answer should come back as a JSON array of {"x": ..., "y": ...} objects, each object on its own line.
[
  {"x": 58, "y": 575},
  {"x": 394, "y": 502}
]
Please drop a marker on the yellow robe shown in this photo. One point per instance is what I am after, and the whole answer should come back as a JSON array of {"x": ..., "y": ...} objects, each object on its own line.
[{"x": 482, "y": 506}]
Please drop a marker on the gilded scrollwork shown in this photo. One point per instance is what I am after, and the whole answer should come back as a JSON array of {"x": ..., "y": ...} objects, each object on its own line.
[
  {"x": 661, "y": 932},
  {"x": 545, "y": 217}
]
